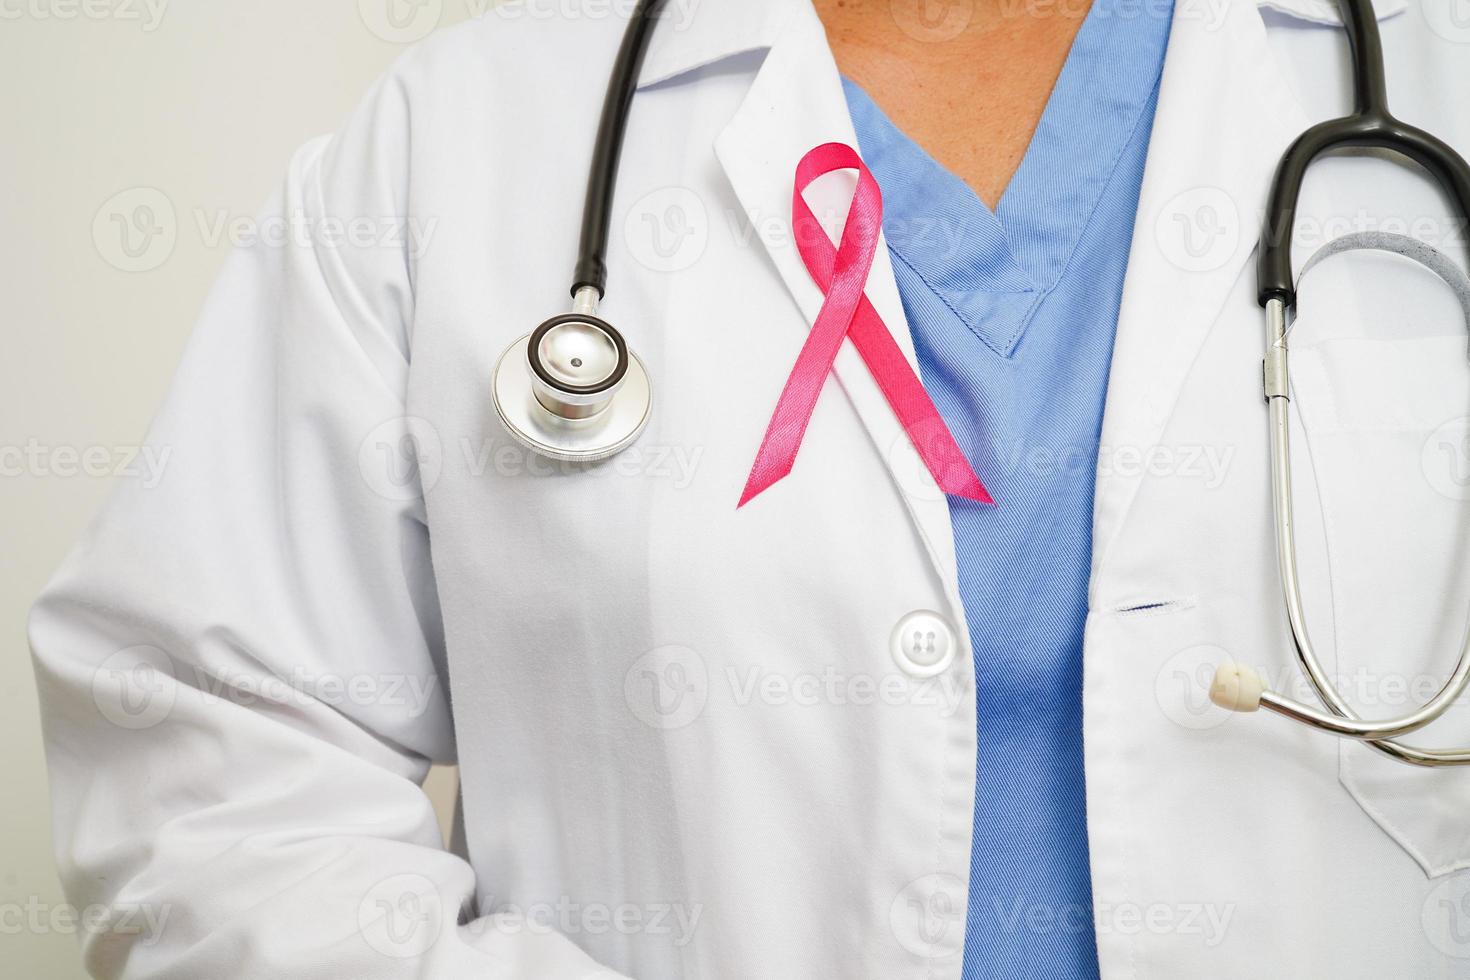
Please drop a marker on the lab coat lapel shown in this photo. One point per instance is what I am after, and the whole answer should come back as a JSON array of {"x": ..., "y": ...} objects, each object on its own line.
[
  {"x": 1224, "y": 117},
  {"x": 796, "y": 103}
]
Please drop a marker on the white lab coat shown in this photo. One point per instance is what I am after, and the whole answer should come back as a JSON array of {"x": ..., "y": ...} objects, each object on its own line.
[{"x": 688, "y": 748}]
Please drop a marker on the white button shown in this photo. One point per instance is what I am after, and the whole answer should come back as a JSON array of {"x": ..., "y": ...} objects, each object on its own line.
[{"x": 924, "y": 643}]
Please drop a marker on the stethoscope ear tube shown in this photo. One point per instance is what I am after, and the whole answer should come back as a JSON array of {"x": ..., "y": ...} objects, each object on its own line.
[
  {"x": 1370, "y": 125},
  {"x": 1238, "y": 688}
]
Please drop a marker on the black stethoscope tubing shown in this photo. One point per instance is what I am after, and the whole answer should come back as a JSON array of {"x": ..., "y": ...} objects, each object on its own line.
[
  {"x": 602, "y": 181},
  {"x": 1369, "y": 125},
  {"x": 582, "y": 412}
]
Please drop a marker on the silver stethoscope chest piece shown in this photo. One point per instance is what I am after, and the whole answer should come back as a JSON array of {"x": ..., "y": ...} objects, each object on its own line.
[{"x": 571, "y": 389}]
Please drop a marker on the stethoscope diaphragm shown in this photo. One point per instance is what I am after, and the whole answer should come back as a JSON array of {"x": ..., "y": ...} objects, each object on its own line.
[{"x": 572, "y": 390}]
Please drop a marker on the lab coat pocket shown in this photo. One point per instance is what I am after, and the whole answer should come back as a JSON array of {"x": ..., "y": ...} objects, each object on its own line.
[{"x": 1387, "y": 428}]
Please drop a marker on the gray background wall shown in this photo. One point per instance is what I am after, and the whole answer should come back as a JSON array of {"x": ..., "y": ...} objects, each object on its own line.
[{"x": 191, "y": 108}]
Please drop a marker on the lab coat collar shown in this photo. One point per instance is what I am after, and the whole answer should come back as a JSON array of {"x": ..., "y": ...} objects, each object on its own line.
[
  {"x": 1207, "y": 175},
  {"x": 1225, "y": 115},
  {"x": 691, "y": 34}
]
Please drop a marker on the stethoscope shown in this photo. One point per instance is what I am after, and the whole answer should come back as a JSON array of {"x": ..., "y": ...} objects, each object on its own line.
[
  {"x": 572, "y": 390},
  {"x": 1370, "y": 125}
]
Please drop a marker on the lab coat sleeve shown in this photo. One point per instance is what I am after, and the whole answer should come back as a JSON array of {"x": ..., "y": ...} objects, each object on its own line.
[{"x": 241, "y": 664}]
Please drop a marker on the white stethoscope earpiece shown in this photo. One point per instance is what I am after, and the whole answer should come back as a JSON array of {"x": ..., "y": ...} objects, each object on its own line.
[{"x": 571, "y": 389}]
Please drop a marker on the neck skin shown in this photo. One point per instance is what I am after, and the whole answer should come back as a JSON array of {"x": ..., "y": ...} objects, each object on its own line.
[{"x": 965, "y": 79}]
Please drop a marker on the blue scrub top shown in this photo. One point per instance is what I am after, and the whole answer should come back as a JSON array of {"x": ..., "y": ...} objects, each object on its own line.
[{"x": 1013, "y": 315}]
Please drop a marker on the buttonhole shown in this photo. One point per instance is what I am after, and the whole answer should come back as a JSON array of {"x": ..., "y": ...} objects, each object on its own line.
[{"x": 1157, "y": 607}]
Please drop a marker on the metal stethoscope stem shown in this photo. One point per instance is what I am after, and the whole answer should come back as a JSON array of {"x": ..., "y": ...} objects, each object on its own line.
[
  {"x": 1371, "y": 124},
  {"x": 1241, "y": 689}
]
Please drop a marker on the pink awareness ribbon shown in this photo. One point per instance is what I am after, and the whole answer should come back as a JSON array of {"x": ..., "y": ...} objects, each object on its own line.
[{"x": 842, "y": 272}]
